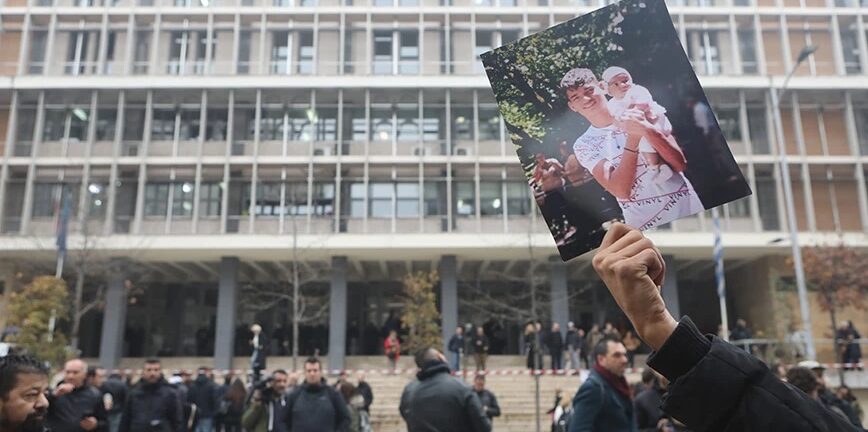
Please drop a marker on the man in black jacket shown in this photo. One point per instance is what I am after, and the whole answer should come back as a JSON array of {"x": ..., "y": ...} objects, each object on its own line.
[
  {"x": 486, "y": 398},
  {"x": 74, "y": 405},
  {"x": 438, "y": 402},
  {"x": 315, "y": 406},
  {"x": 555, "y": 344},
  {"x": 714, "y": 385},
  {"x": 152, "y": 405},
  {"x": 456, "y": 348},
  {"x": 23, "y": 385},
  {"x": 365, "y": 390},
  {"x": 203, "y": 394},
  {"x": 115, "y": 390}
]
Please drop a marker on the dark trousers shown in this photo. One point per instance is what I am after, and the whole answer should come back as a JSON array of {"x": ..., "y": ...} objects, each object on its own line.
[{"x": 557, "y": 359}]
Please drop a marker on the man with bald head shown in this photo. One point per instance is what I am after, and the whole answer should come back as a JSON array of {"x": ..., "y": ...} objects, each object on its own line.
[{"x": 75, "y": 405}]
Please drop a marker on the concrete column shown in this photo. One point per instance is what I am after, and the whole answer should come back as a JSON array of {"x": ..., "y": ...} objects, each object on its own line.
[
  {"x": 670, "y": 287},
  {"x": 448, "y": 297},
  {"x": 560, "y": 302},
  {"x": 114, "y": 319},
  {"x": 227, "y": 307},
  {"x": 338, "y": 314}
]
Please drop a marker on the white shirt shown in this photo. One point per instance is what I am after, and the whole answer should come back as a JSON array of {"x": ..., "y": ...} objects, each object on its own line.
[
  {"x": 638, "y": 95},
  {"x": 650, "y": 204}
]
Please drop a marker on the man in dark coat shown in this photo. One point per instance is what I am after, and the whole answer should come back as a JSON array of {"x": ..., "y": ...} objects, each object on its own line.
[
  {"x": 555, "y": 344},
  {"x": 116, "y": 388},
  {"x": 714, "y": 386},
  {"x": 456, "y": 348},
  {"x": 23, "y": 385},
  {"x": 604, "y": 402},
  {"x": 259, "y": 343},
  {"x": 486, "y": 398},
  {"x": 152, "y": 405},
  {"x": 203, "y": 394},
  {"x": 74, "y": 405},
  {"x": 365, "y": 390},
  {"x": 437, "y": 402},
  {"x": 315, "y": 406}
]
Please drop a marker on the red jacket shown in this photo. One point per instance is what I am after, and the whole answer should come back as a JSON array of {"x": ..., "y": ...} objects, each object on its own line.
[{"x": 395, "y": 347}]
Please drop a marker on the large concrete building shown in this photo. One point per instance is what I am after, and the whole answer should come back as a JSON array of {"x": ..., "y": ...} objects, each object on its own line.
[{"x": 207, "y": 146}]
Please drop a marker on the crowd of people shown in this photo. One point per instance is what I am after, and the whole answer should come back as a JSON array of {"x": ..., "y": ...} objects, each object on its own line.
[{"x": 86, "y": 400}]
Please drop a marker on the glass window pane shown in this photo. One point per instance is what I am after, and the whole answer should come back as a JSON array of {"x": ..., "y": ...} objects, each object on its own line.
[
  {"x": 465, "y": 197},
  {"x": 490, "y": 200}
]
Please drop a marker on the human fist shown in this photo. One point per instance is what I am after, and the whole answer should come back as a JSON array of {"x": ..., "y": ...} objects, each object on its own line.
[
  {"x": 633, "y": 270},
  {"x": 63, "y": 389}
]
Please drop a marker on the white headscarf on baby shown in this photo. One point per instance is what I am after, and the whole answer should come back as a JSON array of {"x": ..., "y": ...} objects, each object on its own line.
[{"x": 612, "y": 71}]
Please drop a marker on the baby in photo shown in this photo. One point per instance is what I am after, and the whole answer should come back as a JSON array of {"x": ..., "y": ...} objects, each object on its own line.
[{"x": 624, "y": 95}]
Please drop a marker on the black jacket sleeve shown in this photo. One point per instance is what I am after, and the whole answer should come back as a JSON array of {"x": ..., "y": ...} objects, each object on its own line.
[
  {"x": 342, "y": 411},
  {"x": 718, "y": 387},
  {"x": 476, "y": 417},
  {"x": 494, "y": 408},
  {"x": 175, "y": 411},
  {"x": 99, "y": 412},
  {"x": 125, "y": 414}
]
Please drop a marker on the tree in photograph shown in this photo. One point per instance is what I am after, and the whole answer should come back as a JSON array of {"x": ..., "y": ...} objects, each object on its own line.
[
  {"x": 839, "y": 275},
  {"x": 420, "y": 317},
  {"x": 36, "y": 310}
]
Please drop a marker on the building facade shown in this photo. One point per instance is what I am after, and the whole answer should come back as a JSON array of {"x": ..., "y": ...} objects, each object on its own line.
[{"x": 210, "y": 150}]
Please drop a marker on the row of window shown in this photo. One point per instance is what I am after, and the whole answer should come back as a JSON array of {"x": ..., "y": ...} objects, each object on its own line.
[
  {"x": 399, "y": 128},
  {"x": 410, "y": 3},
  {"x": 712, "y": 47},
  {"x": 377, "y": 199}
]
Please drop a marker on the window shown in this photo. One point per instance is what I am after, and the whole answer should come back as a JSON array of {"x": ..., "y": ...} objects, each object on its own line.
[
  {"x": 380, "y": 200},
  {"x": 323, "y": 198},
  {"x": 757, "y": 128},
  {"x": 243, "y": 52},
  {"x": 465, "y": 198},
  {"x": 45, "y": 199},
  {"x": 97, "y": 198},
  {"x": 156, "y": 199},
  {"x": 408, "y": 124},
  {"x": 36, "y": 62},
  {"x": 76, "y": 53},
  {"x": 163, "y": 124},
  {"x": 54, "y": 124},
  {"x": 518, "y": 199},
  {"x": 326, "y": 125},
  {"x": 739, "y": 208},
  {"x": 305, "y": 52},
  {"x": 462, "y": 123},
  {"x": 279, "y": 52},
  {"x": 382, "y": 52},
  {"x": 408, "y": 63},
  {"x": 78, "y": 120},
  {"x": 179, "y": 51},
  {"x": 861, "y": 115},
  {"x": 484, "y": 43},
  {"x": 134, "y": 124},
  {"x": 210, "y": 199},
  {"x": 182, "y": 200},
  {"x": 268, "y": 199},
  {"x": 357, "y": 200},
  {"x": 189, "y": 128},
  {"x": 490, "y": 199},
  {"x": 271, "y": 124},
  {"x": 432, "y": 119},
  {"x": 728, "y": 119},
  {"x": 216, "y": 124},
  {"x": 507, "y": 36},
  {"x": 407, "y": 205},
  {"x": 766, "y": 195},
  {"x": 381, "y": 124},
  {"x": 106, "y": 121},
  {"x": 142, "y": 52},
  {"x": 747, "y": 49},
  {"x": 24, "y": 128},
  {"x": 435, "y": 198},
  {"x": 704, "y": 51},
  {"x": 850, "y": 48},
  {"x": 489, "y": 123}
]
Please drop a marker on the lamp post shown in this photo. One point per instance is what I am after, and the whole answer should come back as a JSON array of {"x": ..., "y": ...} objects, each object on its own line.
[{"x": 788, "y": 199}]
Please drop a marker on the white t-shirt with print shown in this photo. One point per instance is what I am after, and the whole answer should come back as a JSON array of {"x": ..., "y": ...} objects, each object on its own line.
[{"x": 650, "y": 204}]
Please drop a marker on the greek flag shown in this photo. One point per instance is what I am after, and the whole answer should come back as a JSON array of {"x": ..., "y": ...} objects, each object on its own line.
[{"x": 718, "y": 274}]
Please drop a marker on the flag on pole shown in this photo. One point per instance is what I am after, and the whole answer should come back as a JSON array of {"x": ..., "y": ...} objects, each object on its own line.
[{"x": 719, "y": 274}]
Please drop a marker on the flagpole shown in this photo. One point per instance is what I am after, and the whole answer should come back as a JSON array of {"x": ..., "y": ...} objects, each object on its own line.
[{"x": 719, "y": 275}]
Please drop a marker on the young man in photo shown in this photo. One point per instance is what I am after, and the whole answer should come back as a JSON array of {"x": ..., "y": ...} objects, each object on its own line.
[{"x": 612, "y": 155}]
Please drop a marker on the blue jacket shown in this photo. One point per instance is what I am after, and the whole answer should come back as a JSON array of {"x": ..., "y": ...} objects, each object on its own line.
[{"x": 597, "y": 407}]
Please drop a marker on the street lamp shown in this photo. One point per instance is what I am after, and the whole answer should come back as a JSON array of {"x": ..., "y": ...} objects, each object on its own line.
[{"x": 801, "y": 286}]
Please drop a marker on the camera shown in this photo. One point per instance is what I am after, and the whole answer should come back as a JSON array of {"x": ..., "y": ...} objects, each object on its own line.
[{"x": 265, "y": 391}]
